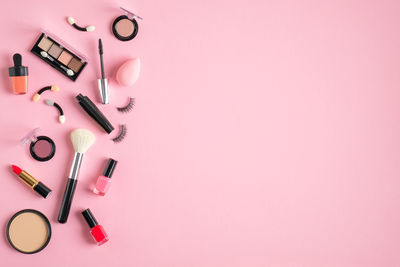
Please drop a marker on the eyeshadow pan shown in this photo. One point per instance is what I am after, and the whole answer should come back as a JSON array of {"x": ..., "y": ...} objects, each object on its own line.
[
  {"x": 124, "y": 27},
  {"x": 45, "y": 44},
  {"x": 43, "y": 148},
  {"x": 55, "y": 51},
  {"x": 65, "y": 57},
  {"x": 75, "y": 64}
]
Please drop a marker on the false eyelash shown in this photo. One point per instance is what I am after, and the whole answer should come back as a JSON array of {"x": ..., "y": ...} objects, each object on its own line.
[
  {"x": 121, "y": 135},
  {"x": 128, "y": 107}
]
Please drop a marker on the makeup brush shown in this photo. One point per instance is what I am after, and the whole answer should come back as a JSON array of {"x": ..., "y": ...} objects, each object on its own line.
[
  {"x": 81, "y": 139},
  {"x": 103, "y": 85}
]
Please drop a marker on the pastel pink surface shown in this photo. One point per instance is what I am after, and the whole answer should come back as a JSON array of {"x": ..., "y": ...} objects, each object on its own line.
[
  {"x": 265, "y": 133},
  {"x": 128, "y": 73}
]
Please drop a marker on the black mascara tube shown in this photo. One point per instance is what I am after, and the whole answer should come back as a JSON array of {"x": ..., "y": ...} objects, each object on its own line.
[{"x": 94, "y": 112}]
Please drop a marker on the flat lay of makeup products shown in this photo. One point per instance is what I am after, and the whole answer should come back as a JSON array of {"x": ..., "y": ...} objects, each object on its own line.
[{"x": 29, "y": 231}]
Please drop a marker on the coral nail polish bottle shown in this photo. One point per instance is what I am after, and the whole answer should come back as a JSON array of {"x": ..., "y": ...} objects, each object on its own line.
[
  {"x": 18, "y": 75},
  {"x": 97, "y": 231},
  {"x": 104, "y": 181}
]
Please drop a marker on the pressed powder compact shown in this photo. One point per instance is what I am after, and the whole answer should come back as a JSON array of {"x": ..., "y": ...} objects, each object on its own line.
[
  {"x": 42, "y": 148},
  {"x": 28, "y": 231},
  {"x": 125, "y": 27},
  {"x": 59, "y": 55}
]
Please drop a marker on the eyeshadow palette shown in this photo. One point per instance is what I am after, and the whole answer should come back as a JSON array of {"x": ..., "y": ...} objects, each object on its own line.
[{"x": 59, "y": 55}]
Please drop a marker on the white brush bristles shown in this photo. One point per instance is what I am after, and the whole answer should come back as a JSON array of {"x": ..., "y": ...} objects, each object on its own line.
[{"x": 82, "y": 139}]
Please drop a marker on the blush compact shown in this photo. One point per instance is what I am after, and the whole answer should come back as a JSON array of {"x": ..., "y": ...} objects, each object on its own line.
[
  {"x": 125, "y": 27},
  {"x": 42, "y": 148}
]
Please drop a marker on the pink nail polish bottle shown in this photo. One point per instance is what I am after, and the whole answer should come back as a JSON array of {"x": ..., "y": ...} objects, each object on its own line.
[{"x": 104, "y": 181}]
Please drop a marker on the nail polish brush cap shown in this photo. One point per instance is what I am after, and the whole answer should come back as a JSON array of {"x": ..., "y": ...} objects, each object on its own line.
[
  {"x": 90, "y": 219},
  {"x": 108, "y": 171}
]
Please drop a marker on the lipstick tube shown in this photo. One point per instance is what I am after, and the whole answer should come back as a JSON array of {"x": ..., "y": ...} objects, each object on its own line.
[
  {"x": 31, "y": 181},
  {"x": 94, "y": 112}
]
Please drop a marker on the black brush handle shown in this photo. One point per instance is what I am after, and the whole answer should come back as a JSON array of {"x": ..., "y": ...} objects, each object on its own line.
[{"x": 67, "y": 200}]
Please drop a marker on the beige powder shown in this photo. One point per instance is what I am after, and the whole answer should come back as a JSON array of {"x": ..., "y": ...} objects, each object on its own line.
[
  {"x": 45, "y": 44},
  {"x": 28, "y": 232},
  {"x": 125, "y": 27}
]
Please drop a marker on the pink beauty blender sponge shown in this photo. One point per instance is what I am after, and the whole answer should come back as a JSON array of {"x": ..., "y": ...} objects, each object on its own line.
[{"x": 128, "y": 73}]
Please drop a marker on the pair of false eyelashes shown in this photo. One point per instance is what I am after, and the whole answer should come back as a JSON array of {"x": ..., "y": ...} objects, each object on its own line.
[{"x": 54, "y": 88}]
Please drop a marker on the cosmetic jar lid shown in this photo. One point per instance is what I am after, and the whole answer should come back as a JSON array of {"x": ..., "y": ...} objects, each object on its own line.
[
  {"x": 28, "y": 231},
  {"x": 90, "y": 219},
  {"x": 130, "y": 15},
  {"x": 110, "y": 167},
  {"x": 30, "y": 136}
]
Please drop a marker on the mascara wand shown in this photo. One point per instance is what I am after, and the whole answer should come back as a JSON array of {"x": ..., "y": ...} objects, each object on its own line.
[{"x": 102, "y": 83}]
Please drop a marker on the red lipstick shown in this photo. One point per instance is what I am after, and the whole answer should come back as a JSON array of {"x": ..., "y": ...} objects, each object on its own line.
[{"x": 31, "y": 181}]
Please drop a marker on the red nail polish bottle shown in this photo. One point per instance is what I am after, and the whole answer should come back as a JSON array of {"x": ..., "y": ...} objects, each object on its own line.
[
  {"x": 104, "y": 181},
  {"x": 97, "y": 231}
]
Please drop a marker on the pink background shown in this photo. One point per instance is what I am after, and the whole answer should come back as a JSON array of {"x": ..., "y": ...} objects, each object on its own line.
[{"x": 266, "y": 133}]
